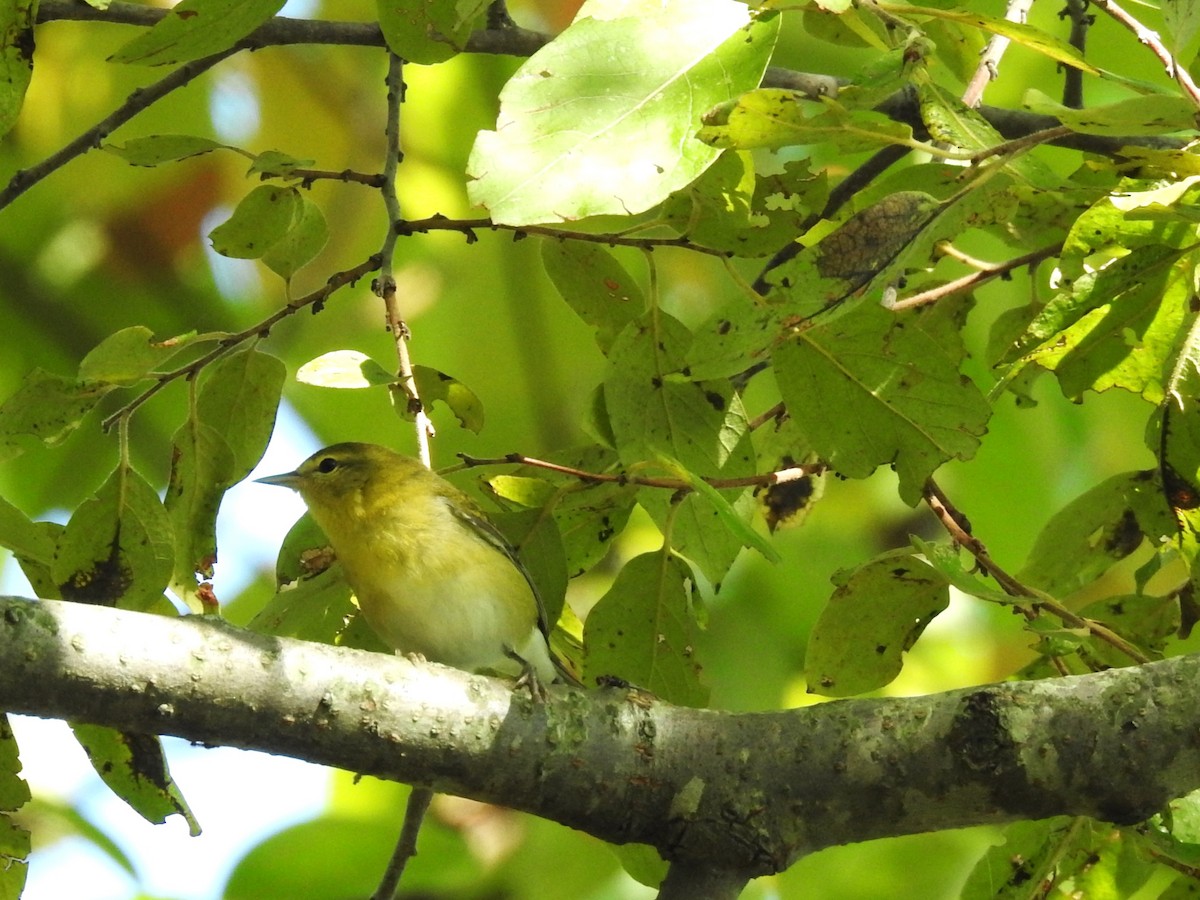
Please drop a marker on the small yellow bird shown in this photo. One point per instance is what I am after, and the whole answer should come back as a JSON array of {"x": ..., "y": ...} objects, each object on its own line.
[{"x": 432, "y": 574}]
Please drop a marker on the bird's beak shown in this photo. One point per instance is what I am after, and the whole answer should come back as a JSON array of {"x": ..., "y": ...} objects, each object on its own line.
[{"x": 287, "y": 480}]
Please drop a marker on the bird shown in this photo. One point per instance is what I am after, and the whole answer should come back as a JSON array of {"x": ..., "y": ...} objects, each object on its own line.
[{"x": 433, "y": 576}]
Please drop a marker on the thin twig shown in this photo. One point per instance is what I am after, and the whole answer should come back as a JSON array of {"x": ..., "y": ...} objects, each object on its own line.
[
  {"x": 348, "y": 176},
  {"x": 989, "y": 61},
  {"x": 90, "y": 139},
  {"x": 385, "y": 287},
  {"x": 406, "y": 845},
  {"x": 468, "y": 227},
  {"x": 974, "y": 279},
  {"x": 231, "y": 342},
  {"x": 959, "y": 529},
  {"x": 1081, "y": 20},
  {"x": 1151, "y": 40},
  {"x": 767, "y": 479}
]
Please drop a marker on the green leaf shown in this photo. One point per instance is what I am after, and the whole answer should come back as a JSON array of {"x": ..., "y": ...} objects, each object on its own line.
[
  {"x": 1155, "y": 114},
  {"x": 745, "y": 212},
  {"x": 37, "y": 568},
  {"x": 1008, "y": 868},
  {"x": 15, "y": 843},
  {"x": 644, "y": 630},
  {"x": 732, "y": 519},
  {"x": 222, "y": 440},
  {"x": 540, "y": 548},
  {"x": 590, "y": 514},
  {"x": 640, "y": 108},
  {"x": 135, "y": 768},
  {"x": 157, "y": 149},
  {"x": 595, "y": 285},
  {"x": 428, "y": 31},
  {"x": 438, "y": 387},
  {"x": 877, "y": 612},
  {"x": 196, "y": 28},
  {"x": 117, "y": 548},
  {"x": 701, "y": 426},
  {"x": 1179, "y": 450},
  {"x": 260, "y": 221},
  {"x": 126, "y": 357},
  {"x": 344, "y": 369},
  {"x": 24, "y": 537},
  {"x": 300, "y": 245},
  {"x": 239, "y": 399},
  {"x": 1182, "y": 20},
  {"x": 46, "y": 406},
  {"x": 202, "y": 467},
  {"x": 773, "y": 118},
  {"x": 1128, "y": 337},
  {"x": 1019, "y": 33},
  {"x": 874, "y": 388},
  {"x": 1095, "y": 530},
  {"x": 16, "y": 58}
]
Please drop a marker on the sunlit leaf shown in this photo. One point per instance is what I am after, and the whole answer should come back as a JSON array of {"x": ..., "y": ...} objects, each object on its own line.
[
  {"x": 344, "y": 369},
  {"x": 641, "y": 107},
  {"x": 1156, "y": 114},
  {"x": 1018, "y": 32},
  {"x": 438, "y": 387},
  {"x": 778, "y": 118}
]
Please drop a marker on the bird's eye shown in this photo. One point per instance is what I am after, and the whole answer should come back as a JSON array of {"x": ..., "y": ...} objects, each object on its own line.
[{"x": 328, "y": 464}]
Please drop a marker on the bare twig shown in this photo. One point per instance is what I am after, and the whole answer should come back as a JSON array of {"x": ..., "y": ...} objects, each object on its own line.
[
  {"x": 1081, "y": 20},
  {"x": 989, "y": 60},
  {"x": 385, "y": 287},
  {"x": 347, "y": 176},
  {"x": 468, "y": 227},
  {"x": 406, "y": 844},
  {"x": 766, "y": 479},
  {"x": 134, "y": 104},
  {"x": 974, "y": 279},
  {"x": 1152, "y": 41},
  {"x": 231, "y": 342}
]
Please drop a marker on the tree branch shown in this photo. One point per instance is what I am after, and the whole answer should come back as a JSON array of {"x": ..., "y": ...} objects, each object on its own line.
[{"x": 743, "y": 794}]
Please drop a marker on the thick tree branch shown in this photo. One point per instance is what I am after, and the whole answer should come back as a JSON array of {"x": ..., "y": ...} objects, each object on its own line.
[{"x": 745, "y": 794}]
